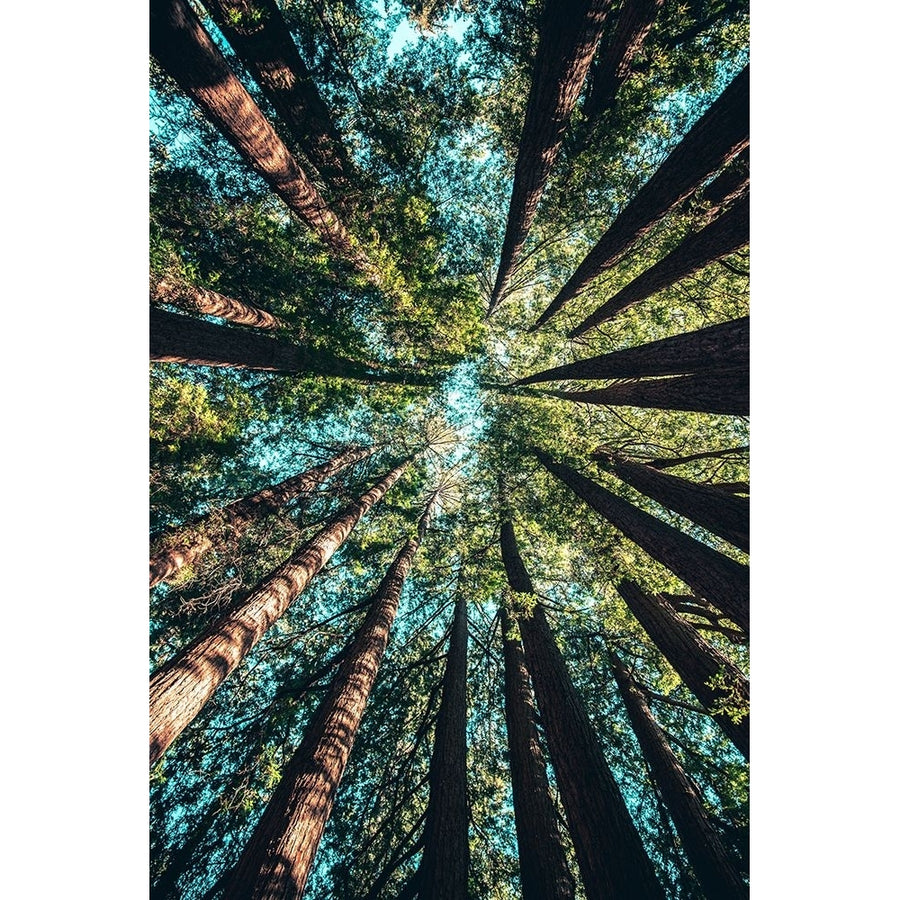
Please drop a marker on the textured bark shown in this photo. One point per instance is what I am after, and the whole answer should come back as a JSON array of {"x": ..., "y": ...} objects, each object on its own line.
[
  {"x": 276, "y": 863},
  {"x": 569, "y": 33},
  {"x": 721, "y": 580},
  {"x": 722, "y": 236},
  {"x": 187, "y": 53},
  {"x": 443, "y": 871},
  {"x": 612, "y": 68},
  {"x": 181, "y": 687},
  {"x": 714, "y": 347},
  {"x": 543, "y": 869},
  {"x": 209, "y": 303},
  {"x": 695, "y": 661},
  {"x": 185, "y": 544},
  {"x": 719, "y": 135},
  {"x": 729, "y": 185},
  {"x": 195, "y": 342},
  {"x": 611, "y": 857},
  {"x": 703, "y": 846},
  {"x": 262, "y": 40},
  {"x": 725, "y": 391},
  {"x": 722, "y": 513}
]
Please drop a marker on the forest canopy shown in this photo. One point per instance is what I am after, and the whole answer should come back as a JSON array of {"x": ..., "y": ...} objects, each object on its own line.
[{"x": 449, "y": 449}]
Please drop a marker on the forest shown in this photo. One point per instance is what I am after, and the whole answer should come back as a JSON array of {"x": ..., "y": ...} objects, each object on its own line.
[{"x": 449, "y": 449}]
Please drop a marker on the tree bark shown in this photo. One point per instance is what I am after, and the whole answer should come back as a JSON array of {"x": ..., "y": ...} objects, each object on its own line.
[
  {"x": 195, "y": 342},
  {"x": 719, "y": 135},
  {"x": 187, "y": 53},
  {"x": 209, "y": 303},
  {"x": 543, "y": 869},
  {"x": 721, "y": 580},
  {"x": 444, "y": 869},
  {"x": 185, "y": 544},
  {"x": 722, "y": 513},
  {"x": 703, "y": 846},
  {"x": 695, "y": 661},
  {"x": 260, "y": 37},
  {"x": 729, "y": 185},
  {"x": 613, "y": 67},
  {"x": 180, "y": 688},
  {"x": 725, "y": 391},
  {"x": 714, "y": 347},
  {"x": 611, "y": 857},
  {"x": 722, "y": 236},
  {"x": 276, "y": 863},
  {"x": 569, "y": 33}
]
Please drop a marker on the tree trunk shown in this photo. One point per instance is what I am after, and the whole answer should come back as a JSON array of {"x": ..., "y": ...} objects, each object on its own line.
[
  {"x": 544, "y": 871},
  {"x": 611, "y": 857},
  {"x": 181, "y": 687},
  {"x": 195, "y": 342},
  {"x": 714, "y": 347},
  {"x": 569, "y": 33},
  {"x": 262, "y": 40},
  {"x": 720, "y": 134},
  {"x": 612, "y": 68},
  {"x": 671, "y": 462},
  {"x": 722, "y": 236},
  {"x": 186, "y": 52},
  {"x": 722, "y": 581},
  {"x": 185, "y": 544},
  {"x": 209, "y": 303},
  {"x": 725, "y": 391},
  {"x": 729, "y": 185},
  {"x": 695, "y": 661},
  {"x": 443, "y": 871},
  {"x": 277, "y": 861},
  {"x": 703, "y": 846},
  {"x": 723, "y": 514}
]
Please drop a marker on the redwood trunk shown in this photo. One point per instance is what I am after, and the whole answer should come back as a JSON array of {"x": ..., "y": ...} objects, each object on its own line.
[
  {"x": 569, "y": 33},
  {"x": 611, "y": 857},
  {"x": 209, "y": 303},
  {"x": 722, "y": 581},
  {"x": 543, "y": 869},
  {"x": 703, "y": 846},
  {"x": 187, "y": 53},
  {"x": 720, "y": 134},
  {"x": 276, "y": 863},
  {"x": 185, "y": 544},
  {"x": 714, "y": 347},
  {"x": 262, "y": 40},
  {"x": 181, "y": 687},
  {"x": 695, "y": 661},
  {"x": 726, "y": 187},
  {"x": 443, "y": 871},
  {"x": 671, "y": 462},
  {"x": 722, "y": 513},
  {"x": 722, "y": 236},
  {"x": 724, "y": 391}
]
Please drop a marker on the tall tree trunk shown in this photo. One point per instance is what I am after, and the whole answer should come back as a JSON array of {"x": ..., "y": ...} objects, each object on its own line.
[
  {"x": 695, "y": 661},
  {"x": 444, "y": 870},
  {"x": 544, "y": 871},
  {"x": 720, "y": 134},
  {"x": 180, "y": 688},
  {"x": 723, "y": 514},
  {"x": 722, "y": 236},
  {"x": 260, "y": 37},
  {"x": 721, "y": 580},
  {"x": 185, "y": 544},
  {"x": 725, "y": 391},
  {"x": 611, "y": 857},
  {"x": 209, "y": 303},
  {"x": 195, "y": 342},
  {"x": 276, "y": 863},
  {"x": 713, "y": 347},
  {"x": 727, "y": 187},
  {"x": 187, "y": 53},
  {"x": 703, "y": 846},
  {"x": 670, "y": 462},
  {"x": 612, "y": 68},
  {"x": 569, "y": 32}
]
